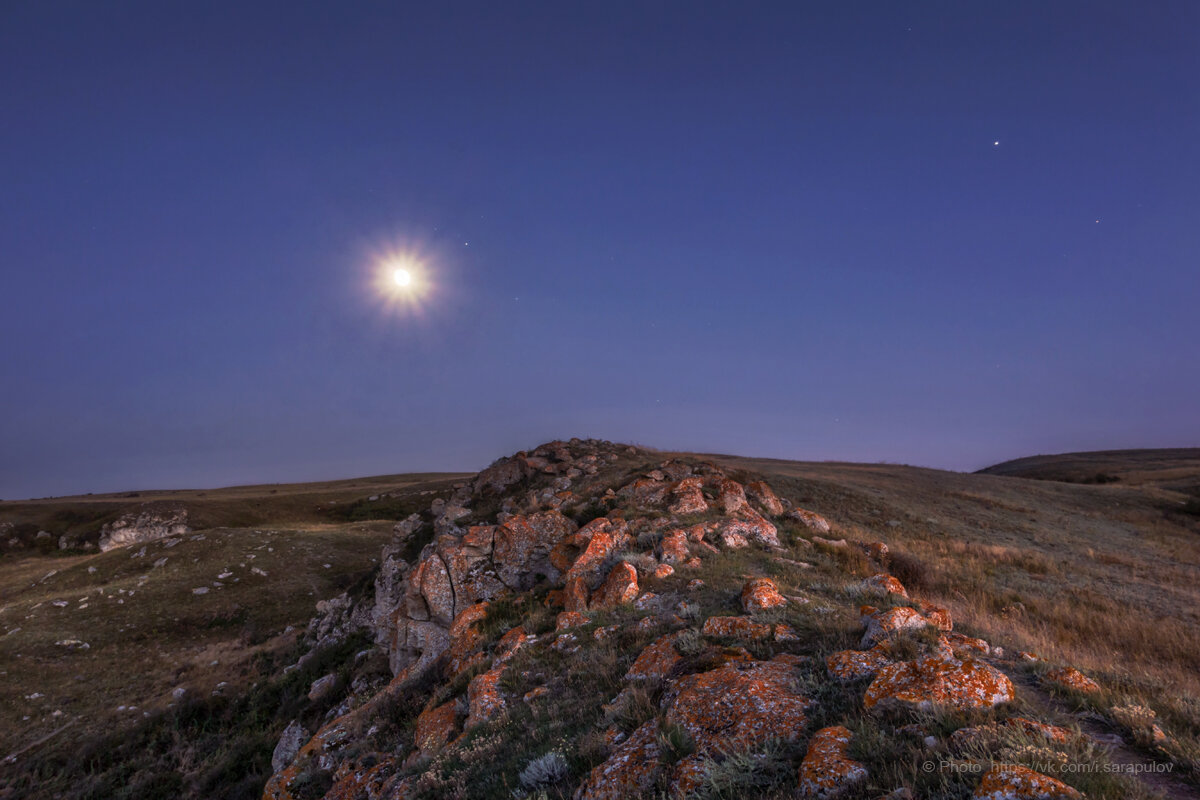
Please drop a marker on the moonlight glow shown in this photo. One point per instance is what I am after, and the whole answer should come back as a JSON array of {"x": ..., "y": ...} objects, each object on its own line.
[{"x": 402, "y": 278}]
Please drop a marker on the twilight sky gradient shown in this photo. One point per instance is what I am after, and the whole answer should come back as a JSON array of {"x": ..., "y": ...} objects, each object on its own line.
[{"x": 768, "y": 229}]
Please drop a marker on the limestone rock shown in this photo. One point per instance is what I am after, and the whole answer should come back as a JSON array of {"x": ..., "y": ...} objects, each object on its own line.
[
  {"x": 294, "y": 736},
  {"x": 1013, "y": 782},
  {"x": 736, "y": 707},
  {"x": 762, "y": 494},
  {"x": 736, "y": 628},
  {"x": 630, "y": 771},
  {"x": 689, "y": 497},
  {"x": 434, "y": 728},
  {"x": 523, "y": 544},
  {"x": 826, "y": 771},
  {"x": 759, "y": 594},
  {"x": 887, "y": 624},
  {"x": 884, "y": 585},
  {"x": 851, "y": 665},
  {"x": 932, "y": 681},
  {"x": 656, "y": 661},
  {"x": 148, "y": 523},
  {"x": 621, "y": 586},
  {"x": 811, "y": 520},
  {"x": 1071, "y": 678}
]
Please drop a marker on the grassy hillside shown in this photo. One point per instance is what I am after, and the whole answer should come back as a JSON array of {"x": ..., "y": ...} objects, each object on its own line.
[{"x": 1102, "y": 576}]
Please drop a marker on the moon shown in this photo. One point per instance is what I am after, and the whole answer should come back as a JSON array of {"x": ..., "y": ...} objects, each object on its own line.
[{"x": 402, "y": 278}]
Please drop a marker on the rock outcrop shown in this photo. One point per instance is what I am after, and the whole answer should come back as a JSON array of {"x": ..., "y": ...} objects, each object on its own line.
[
  {"x": 148, "y": 523},
  {"x": 694, "y": 672}
]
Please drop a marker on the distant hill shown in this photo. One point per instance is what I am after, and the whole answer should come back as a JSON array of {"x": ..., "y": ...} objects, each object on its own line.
[{"x": 1174, "y": 469}]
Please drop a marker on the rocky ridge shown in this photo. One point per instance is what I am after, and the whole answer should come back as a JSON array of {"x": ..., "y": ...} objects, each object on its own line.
[{"x": 608, "y": 544}]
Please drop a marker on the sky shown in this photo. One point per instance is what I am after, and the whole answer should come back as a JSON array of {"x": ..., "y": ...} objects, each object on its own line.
[{"x": 934, "y": 233}]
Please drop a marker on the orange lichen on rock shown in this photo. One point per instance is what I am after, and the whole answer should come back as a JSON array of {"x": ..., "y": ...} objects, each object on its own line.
[
  {"x": 464, "y": 638},
  {"x": 966, "y": 646},
  {"x": 731, "y": 496},
  {"x": 1013, "y": 782},
  {"x": 762, "y": 494},
  {"x": 510, "y": 643},
  {"x": 826, "y": 771},
  {"x": 759, "y": 594},
  {"x": 673, "y": 549},
  {"x": 483, "y": 696},
  {"x": 575, "y": 594},
  {"x": 569, "y": 619},
  {"x": 750, "y": 526},
  {"x": 583, "y": 553},
  {"x": 884, "y": 584},
  {"x": 435, "y": 727},
  {"x": 689, "y": 499},
  {"x": 630, "y": 771},
  {"x": 938, "y": 616},
  {"x": 736, "y": 628},
  {"x": 656, "y": 660},
  {"x": 522, "y": 545},
  {"x": 930, "y": 682},
  {"x": 736, "y": 707},
  {"x": 621, "y": 586},
  {"x": 851, "y": 665},
  {"x": 810, "y": 520},
  {"x": 1071, "y": 678},
  {"x": 884, "y": 625}
]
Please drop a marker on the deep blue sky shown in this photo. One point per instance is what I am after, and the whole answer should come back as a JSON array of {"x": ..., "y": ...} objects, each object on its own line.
[{"x": 771, "y": 229}]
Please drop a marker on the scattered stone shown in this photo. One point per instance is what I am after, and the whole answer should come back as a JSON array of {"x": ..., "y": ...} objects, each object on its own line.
[
  {"x": 852, "y": 665},
  {"x": 884, "y": 585},
  {"x": 762, "y": 494},
  {"x": 811, "y": 520},
  {"x": 1071, "y": 678},
  {"x": 826, "y": 771},
  {"x": 736, "y": 628},
  {"x": 322, "y": 687},
  {"x": 759, "y": 594},
  {"x": 885, "y": 625},
  {"x": 200, "y": 590},
  {"x": 656, "y": 661},
  {"x": 1013, "y": 782}
]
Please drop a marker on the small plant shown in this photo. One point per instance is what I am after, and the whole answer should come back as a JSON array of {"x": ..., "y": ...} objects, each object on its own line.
[
  {"x": 544, "y": 770},
  {"x": 689, "y": 642}
]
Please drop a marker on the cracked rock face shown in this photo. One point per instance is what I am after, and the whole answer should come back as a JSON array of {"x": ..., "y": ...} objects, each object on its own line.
[{"x": 144, "y": 525}]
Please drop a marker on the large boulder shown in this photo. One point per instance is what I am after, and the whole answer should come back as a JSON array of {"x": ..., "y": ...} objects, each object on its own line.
[
  {"x": 933, "y": 681},
  {"x": 737, "y": 707}
]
